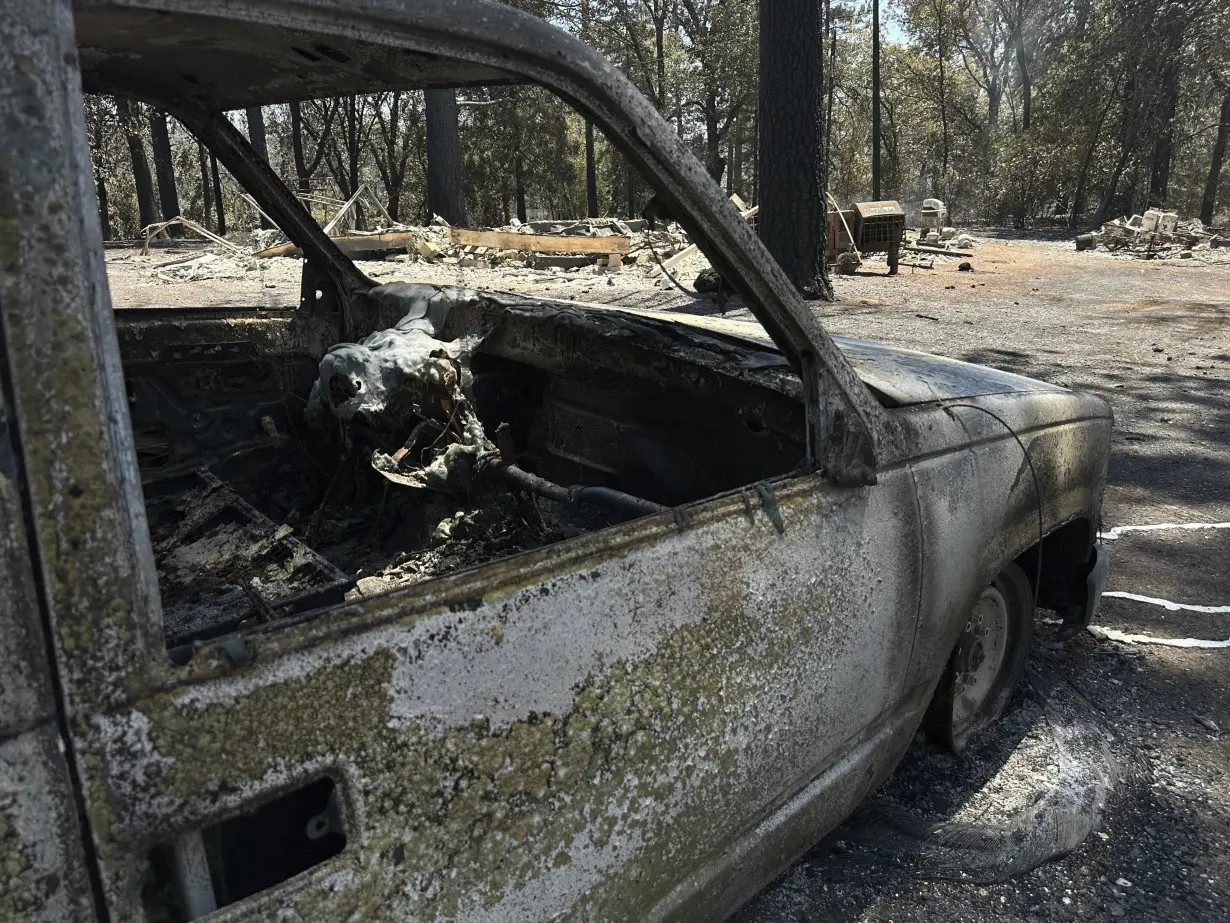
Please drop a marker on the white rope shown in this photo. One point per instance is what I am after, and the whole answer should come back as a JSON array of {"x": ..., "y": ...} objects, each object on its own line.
[
  {"x": 1122, "y": 636},
  {"x": 1118, "y": 531},
  {"x": 1167, "y": 604}
]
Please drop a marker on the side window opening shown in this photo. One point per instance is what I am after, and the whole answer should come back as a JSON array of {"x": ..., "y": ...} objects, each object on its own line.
[
  {"x": 284, "y": 473},
  {"x": 418, "y": 485}
]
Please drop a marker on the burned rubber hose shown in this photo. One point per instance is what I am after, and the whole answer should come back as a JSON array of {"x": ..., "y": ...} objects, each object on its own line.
[{"x": 598, "y": 496}]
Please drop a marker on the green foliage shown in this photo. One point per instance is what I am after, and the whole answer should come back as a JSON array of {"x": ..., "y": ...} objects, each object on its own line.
[{"x": 1094, "y": 75}]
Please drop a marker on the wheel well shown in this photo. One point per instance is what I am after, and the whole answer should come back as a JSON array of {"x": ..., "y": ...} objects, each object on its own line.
[{"x": 1065, "y": 563}]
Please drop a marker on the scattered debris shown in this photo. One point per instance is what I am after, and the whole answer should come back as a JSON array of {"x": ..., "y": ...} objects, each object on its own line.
[
  {"x": 222, "y": 562},
  {"x": 936, "y": 251},
  {"x": 161, "y": 226},
  {"x": 1156, "y": 235},
  {"x": 208, "y": 265},
  {"x": 747, "y": 214}
]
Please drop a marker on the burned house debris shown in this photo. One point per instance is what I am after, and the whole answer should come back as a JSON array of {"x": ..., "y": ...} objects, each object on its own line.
[{"x": 1159, "y": 234}]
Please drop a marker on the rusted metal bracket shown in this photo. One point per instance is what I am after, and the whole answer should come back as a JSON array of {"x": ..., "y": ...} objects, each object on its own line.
[{"x": 768, "y": 500}]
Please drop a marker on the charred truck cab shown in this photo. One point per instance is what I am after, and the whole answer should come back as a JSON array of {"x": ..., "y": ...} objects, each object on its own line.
[{"x": 420, "y": 603}]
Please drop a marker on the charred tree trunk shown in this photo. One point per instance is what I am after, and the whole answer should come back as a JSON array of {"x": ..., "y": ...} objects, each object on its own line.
[
  {"x": 591, "y": 172},
  {"x": 942, "y": 57},
  {"x": 444, "y": 190},
  {"x": 164, "y": 169},
  {"x": 792, "y": 211},
  {"x": 995, "y": 97},
  {"x": 519, "y": 174},
  {"x": 736, "y": 157},
  {"x": 354, "y": 153},
  {"x": 140, "y": 165},
  {"x": 1078, "y": 196},
  {"x": 756, "y": 156},
  {"x": 1209, "y": 202},
  {"x": 305, "y": 167},
  {"x": 1163, "y": 147},
  {"x": 303, "y": 176},
  {"x": 1027, "y": 86},
  {"x": 519, "y": 191},
  {"x": 1112, "y": 188},
  {"x": 256, "y": 136},
  {"x": 713, "y": 132},
  {"x": 1128, "y": 135},
  {"x": 832, "y": 90},
  {"x": 730, "y": 159},
  {"x": 630, "y": 174},
  {"x": 206, "y": 187},
  {"x": 104, "y": 210},
  {"x": 256, "y": 131},
  {"x": 218, "y": 203}
]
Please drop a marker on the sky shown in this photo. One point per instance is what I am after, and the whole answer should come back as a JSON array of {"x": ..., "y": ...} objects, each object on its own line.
[{"x": 891, "y": 30}]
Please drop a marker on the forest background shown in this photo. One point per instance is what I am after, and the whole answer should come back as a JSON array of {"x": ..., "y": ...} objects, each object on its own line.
[{"x": 1015, "y": 112}]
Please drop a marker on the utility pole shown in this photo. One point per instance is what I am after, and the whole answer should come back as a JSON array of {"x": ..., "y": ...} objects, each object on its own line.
[{"x": 875, "y": 100}]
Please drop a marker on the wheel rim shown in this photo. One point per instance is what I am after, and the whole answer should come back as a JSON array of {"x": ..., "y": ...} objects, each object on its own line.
[{"x": 980, "y": 657}]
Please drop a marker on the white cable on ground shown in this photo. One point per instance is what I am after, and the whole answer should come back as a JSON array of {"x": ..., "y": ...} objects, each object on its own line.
[
  {"x": 1126, "y": 638},
  {"x": 1167, "y": 604},
  {"x": 1119, "y": 531}
]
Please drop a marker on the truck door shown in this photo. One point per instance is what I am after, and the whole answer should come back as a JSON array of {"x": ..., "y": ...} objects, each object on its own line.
[{"x": 603, "y": 728}]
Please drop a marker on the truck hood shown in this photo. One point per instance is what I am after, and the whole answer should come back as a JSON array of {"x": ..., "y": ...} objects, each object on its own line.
[
  {"x": 905, "y": 376},
  {"x": 899, "y": 377}
]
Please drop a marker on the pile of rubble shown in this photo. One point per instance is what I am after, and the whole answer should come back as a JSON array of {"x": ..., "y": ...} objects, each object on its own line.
[
  {"x": 604, "y": 242},
  {"x": 1159, "y": 235}
]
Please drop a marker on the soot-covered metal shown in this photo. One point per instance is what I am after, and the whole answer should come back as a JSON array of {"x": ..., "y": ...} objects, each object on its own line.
[{"x": 471, "y": 429}]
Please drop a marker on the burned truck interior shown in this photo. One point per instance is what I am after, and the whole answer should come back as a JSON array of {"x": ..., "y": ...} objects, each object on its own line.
[
  {"x": 285, "y": 472},
  {"x": 375, "y": 437}
]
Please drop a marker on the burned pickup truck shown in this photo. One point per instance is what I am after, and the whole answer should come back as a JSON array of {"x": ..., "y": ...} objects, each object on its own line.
[{"x": 418, "y": 603}]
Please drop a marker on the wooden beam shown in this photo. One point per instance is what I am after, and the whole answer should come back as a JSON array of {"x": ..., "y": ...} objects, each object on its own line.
[
  {"x": 938, "y": 251},
  {"x": 356, "y": 243},
  {"x": 540, "y": 243}
]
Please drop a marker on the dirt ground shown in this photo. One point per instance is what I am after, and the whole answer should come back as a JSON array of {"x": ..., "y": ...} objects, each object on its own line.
[{"x": 1122, "y": 746}]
